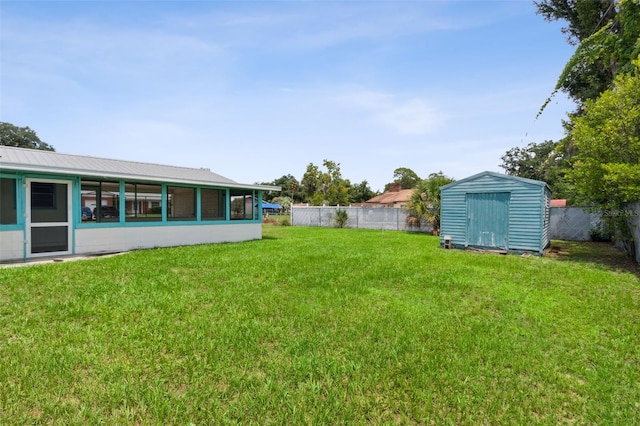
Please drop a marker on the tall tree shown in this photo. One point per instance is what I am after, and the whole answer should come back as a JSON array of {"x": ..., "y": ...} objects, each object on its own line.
[
  {"x": 540, "y": 161},
  {"x": 530, "y": 162},
  {"x": 606, "y": 170},
  {"x": 608, "y": 37},
  {"x": 425, "y": 201},
  {"x": 405, "y": 177},
  {"x": 325, "y": 187},
  {"x": 310, "y": 182},
  {"x": 290, "y": 187},
  {"x": 583, "y": 17},
  {"x": 360, "y": 192},
  {"x": 22, "y": 137}
]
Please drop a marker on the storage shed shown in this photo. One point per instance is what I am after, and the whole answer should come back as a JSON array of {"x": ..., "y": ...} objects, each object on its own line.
[{"x": 495, "y": 211}]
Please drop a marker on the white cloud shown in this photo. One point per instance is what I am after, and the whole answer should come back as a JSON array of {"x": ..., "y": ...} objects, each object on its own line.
[
  {"x": 319, "y": 25},
  {"x": 404, "y": 115}
]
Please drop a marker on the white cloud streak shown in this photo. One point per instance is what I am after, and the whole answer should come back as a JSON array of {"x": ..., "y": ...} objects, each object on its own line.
[{"x": 404, "y": 115}]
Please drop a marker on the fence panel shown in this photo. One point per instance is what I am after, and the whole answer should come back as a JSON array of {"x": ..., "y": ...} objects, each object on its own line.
[
  {"x": 634, "y": 224},
  {"x": 566, "y": 223},
  {"x": 572, "y": 223},
  {"x": 392, "y": 219}
]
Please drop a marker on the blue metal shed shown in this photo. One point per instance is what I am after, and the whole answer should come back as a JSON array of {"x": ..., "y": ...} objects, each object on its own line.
[{"x": 495, "y": 211}]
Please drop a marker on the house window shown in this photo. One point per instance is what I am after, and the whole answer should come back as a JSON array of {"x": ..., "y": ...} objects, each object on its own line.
[
  {"x": 8, "y": 201},
  {"x": 143, "y": 202},
  {"x": 181, "y": 203},
  {"x": 100, "y": 201},
  {"x": 48, "y": 202},
  {"x": 213, "y": 204},
  {"x": 43, "y": 195},
  {"x": 243, "y": 205}
]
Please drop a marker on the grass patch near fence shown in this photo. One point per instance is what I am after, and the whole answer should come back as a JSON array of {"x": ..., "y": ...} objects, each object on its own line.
[{"x": 319, "y": 326}]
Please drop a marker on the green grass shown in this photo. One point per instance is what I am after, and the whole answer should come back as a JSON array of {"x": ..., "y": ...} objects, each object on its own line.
[{"x": 319, "y": 326}]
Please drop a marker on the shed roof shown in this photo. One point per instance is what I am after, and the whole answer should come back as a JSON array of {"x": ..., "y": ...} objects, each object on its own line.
[
  {"x": 497, "y": 175},
  {"x": 33, "y": 160}
]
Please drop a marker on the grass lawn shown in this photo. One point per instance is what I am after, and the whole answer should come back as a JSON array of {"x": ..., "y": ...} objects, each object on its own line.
[{"x": 320, "y": 326}]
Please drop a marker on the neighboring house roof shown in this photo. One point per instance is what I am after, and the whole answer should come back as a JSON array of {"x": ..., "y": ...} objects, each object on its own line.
[
  {"x": 558, "y": 203},
  {"x": 392, "y": 197},
  {"x": 33, "y": 160}
]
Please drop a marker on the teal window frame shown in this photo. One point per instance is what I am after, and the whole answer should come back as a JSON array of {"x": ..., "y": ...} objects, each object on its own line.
[
  {"x": 17, "y": 203},
  {"x": 162, "y": 198}
]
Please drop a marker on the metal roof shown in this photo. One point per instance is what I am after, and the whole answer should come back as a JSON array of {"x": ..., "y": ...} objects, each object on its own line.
[
  {"x": 496, "y": 175},
  {"x": 33, "y": 160}
]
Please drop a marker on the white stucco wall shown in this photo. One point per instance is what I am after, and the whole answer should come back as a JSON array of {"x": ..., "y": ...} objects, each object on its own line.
[
  {"x": 112, "y": 239},
  {"x": 11, "y": 245},
  {"x": 95, "y": 240}
]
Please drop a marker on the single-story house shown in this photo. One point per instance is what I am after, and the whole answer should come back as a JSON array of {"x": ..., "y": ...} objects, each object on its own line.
[
  {"x": 495, "y": 211},
  {"x": 395, "y": 196},
  {"x": 59, "y": 204}
]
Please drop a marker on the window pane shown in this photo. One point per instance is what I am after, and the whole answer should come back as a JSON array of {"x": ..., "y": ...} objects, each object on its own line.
[
  {"x": 212, "y": 204},
  {"x": 242, "y": 205},
  {"x": 48, "y": 202},
  {"x": 43, "y": 195},
  {"x": 8, "y": 204},
  {"x": 182, "y": 203},
  {"x": 143, "y": 202},
  {"x": 49, "y": 239},
  {"x": 100, "y": 201}
]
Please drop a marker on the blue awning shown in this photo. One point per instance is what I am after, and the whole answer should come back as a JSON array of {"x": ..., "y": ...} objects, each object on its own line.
[{"x": 271, "y": 206}]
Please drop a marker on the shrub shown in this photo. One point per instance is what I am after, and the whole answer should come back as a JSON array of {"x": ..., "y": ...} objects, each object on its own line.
[
  {"x": 413, "y": 221},
  {"x": 600, "y": 233},
  {"x": 285, "y": 221},
  {"x": 340, "y": 219}
]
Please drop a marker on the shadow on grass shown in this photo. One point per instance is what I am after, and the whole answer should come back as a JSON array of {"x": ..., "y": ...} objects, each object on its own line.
[{"x": 603, "y": 254}]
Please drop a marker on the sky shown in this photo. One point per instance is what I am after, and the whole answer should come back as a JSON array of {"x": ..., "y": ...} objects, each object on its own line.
[{"x": 255, "y": 90}]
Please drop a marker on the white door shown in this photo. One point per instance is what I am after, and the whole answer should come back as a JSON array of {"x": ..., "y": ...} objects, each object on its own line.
[{"x": 48, "y": 217}]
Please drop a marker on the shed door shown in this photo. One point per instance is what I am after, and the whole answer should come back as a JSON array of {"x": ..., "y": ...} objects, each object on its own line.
[{"x": 488, "y": 219}]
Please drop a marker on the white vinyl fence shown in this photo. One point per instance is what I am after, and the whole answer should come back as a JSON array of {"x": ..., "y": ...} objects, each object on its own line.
[
  {"x": 634, "y": 221},
  {"x": 392, "y": 219},
  {"x": 566, "y": 223},
  {"x": 572, "y": 223}
]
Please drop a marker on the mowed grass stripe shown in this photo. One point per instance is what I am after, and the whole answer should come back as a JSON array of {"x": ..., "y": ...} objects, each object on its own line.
[{"x": 321, "y": 326}]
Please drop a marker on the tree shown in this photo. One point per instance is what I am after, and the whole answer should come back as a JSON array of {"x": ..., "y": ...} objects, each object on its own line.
[
  {"x": 425, "y": 201},
  {"x": 290, "y": 187},
  {"x": 582, "y": 16},
  {"x": 325, "y": 187},
  {"x": 22, "y": 137},
  {"x": 608, "y": 38},
  {"x": 530, "y": 162},
  {"x": 405, "y": 177},
  {"x": 284, "y": 201},
  {"x": 360, "y": 192},
  {"x": 539, "y": 161},
  {"x": 606, "y": 170}
]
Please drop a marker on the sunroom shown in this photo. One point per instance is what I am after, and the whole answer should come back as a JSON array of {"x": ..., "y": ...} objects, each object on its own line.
[{"x": 54, "y": 204}]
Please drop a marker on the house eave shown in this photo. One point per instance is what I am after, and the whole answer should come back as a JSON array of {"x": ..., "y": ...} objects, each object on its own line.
[{"x": 128, "y": 176}]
